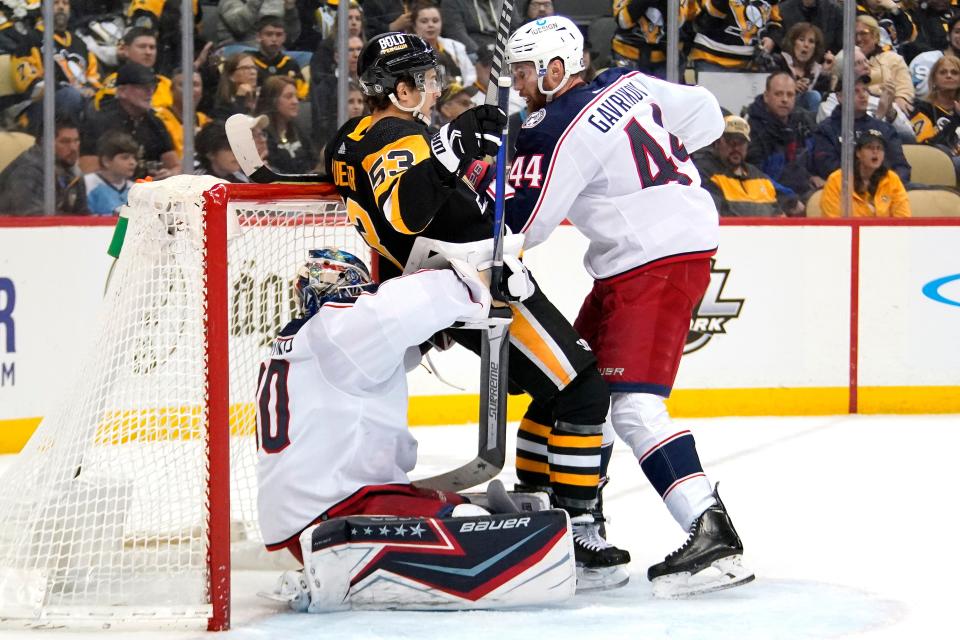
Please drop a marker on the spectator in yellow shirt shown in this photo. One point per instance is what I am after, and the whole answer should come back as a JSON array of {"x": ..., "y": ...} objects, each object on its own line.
[
  {"x": 878, "y": 191},
  {"x": 172, "y": 115}
]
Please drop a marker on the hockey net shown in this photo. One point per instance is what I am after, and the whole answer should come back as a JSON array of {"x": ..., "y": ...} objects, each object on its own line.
[{"x": 119, "y": 507}]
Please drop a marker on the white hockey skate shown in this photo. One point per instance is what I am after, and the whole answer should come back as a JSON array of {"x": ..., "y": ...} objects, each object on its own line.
[{"x": 292, "y": 589}]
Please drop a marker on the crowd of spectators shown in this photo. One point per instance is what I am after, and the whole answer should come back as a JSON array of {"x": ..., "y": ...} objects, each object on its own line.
[{"x": 119, "y": 95}]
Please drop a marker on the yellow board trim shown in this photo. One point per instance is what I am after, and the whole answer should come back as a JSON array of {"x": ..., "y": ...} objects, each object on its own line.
[
  {"x": 908, "y": 400},
  {"x": 684, "y": 403}
]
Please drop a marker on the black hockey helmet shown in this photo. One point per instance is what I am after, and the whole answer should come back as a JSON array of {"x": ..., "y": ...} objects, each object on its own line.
[{"x": 393, "y": 56}]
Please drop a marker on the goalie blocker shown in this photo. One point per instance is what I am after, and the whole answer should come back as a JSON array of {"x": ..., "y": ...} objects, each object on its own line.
[{"x": 387, "y": 562}]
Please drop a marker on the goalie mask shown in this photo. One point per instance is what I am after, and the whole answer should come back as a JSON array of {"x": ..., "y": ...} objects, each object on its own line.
[
  {"x": 543, "y": 40},
  {"x": 330, "y": 275},
  {"x": 391, "y": 57}
]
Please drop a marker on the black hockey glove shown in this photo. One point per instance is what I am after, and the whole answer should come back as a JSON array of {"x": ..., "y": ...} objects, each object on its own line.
[{"x": 472, "y": 135}]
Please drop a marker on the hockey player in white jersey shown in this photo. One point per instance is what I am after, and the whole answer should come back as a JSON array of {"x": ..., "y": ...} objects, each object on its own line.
[
  {"x": 334, "y": 450},
  {"x": 612, "y": 156}
]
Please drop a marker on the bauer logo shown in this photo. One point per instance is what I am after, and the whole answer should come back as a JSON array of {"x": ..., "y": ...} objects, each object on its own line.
[
  {"x": 710, "y": 317},
  {"x": 8, "y": 336},
  {"x": 493, "y": 525}
]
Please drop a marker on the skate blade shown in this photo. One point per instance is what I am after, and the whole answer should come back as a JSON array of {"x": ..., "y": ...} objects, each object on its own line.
[
  {"x": 277, "y": 597},
  {"x": 601, "y": 579},
  {"x": 724, "y": 573}
]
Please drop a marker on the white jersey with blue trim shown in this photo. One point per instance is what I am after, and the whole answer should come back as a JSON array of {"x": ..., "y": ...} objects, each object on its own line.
[
  {"x": 612, "y": 156},
  {"x": 332, "y": 398}
]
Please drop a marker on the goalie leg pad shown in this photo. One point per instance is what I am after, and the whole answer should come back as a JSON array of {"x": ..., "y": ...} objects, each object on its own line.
[{"x": 482, "y": 562}]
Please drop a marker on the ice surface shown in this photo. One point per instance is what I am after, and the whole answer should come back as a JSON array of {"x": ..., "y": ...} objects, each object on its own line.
[{"x": 848, "y": 522}]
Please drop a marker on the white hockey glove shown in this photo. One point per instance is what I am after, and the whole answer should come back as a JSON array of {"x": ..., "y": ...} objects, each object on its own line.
[
  {"x": 478, "y": 283},
  {"x": 475, "y": 133},
  {"x": 519, "y": 283}
]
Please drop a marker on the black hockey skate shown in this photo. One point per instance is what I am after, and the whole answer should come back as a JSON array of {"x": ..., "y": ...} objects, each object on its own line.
[
  {"x": 708, "y": 561},
  {"x": 597, "y": 511},
  {"x": 600, "y": 565}
]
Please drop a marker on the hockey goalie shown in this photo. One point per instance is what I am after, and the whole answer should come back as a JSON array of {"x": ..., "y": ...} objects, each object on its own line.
[{"x": 334, "y": 450}]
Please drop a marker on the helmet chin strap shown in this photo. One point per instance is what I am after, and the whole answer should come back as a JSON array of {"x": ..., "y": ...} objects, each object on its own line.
[
  {"x": 550, "y": 92},
  {"x": 412, "y": 110}
]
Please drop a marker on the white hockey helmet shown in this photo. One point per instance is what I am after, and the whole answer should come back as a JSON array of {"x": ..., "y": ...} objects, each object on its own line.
[{"x": 542, "y": 40}]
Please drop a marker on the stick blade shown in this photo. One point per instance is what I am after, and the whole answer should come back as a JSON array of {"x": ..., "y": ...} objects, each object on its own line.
[{"x": 239, "y": 128}]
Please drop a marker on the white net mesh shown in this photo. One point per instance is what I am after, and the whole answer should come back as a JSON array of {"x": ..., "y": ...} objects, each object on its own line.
[{"x": 105, "y": 510}]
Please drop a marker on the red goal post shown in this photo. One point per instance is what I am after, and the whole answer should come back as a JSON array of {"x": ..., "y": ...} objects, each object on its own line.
[{"x": 137, "y": 493}]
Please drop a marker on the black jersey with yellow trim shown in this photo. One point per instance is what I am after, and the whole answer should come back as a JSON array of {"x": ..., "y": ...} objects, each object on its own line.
[{"x": 395, "y": 191}]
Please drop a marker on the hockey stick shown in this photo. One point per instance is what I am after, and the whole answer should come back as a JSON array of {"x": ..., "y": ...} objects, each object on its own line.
[
  {"x": 495, "y": 347},
  {"x": 239, "y": 129}
]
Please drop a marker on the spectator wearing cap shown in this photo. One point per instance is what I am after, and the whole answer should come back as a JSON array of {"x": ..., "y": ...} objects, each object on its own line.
[
  {"x": 920, "y": 66},
  {"x": 427, "y": 23},
  {"x": 138, "y": 45},
  {"x": 739, "y": 188},
  {"x": 270, "y": 58},
  {"x": 239, "y": 18},
  {"x": 877, "y": 191},
  {"x": 881, "y": 106},
  {"x": 21, "y": 182},
  {"x": 132, "y": 112},
  {"x": 781, "y": 134},
  {"x": 826, "y": 139}
]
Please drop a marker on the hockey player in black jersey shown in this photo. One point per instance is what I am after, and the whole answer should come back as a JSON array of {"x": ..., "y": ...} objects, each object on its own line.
[{"x": 399, "y": 183}]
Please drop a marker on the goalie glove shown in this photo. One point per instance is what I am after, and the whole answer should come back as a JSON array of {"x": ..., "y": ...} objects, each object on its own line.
[
  {"x": 475, "y": 133},
  {"x": 520, "y": 285},
  {"x": 478, "y": 284}
]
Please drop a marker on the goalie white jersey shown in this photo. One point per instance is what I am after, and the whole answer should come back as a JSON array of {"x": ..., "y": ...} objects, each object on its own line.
[
  {"x": 613, "y": 157},
  {"x": 332, "y": 397}
]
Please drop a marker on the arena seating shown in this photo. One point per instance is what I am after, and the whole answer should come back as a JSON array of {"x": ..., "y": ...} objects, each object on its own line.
[
  {"x": 930, "y": 165},
  {"x": 924, "y": 203},
  {"x": 12, "y": 144}
]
